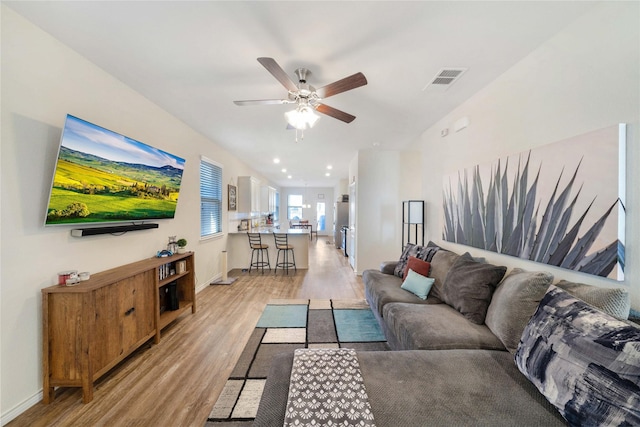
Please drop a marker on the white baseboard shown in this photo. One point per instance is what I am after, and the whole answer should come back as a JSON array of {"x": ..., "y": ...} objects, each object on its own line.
[
  {"x": 13, "y": 413},
  {"x": 202, "y": 286}
]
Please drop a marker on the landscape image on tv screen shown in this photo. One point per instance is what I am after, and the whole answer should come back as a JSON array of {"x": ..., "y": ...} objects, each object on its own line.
[{"x": 102, "y": 176}]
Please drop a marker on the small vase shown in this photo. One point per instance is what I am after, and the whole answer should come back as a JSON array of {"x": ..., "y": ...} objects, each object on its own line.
[{"x": 182, "y": 250}]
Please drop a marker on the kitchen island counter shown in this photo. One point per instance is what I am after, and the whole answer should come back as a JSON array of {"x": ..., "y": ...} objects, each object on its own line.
[{"x": 239, "y": 252}]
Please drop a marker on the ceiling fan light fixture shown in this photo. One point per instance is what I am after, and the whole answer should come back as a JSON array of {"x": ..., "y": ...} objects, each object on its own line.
[{"x": 303, "y": 117}]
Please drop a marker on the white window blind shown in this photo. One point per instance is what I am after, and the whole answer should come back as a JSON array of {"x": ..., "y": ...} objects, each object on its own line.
[{"x": 210, "y": 198}]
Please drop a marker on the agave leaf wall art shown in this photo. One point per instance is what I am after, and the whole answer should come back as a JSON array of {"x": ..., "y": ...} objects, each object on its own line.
[{"x": 560, "y": 204}]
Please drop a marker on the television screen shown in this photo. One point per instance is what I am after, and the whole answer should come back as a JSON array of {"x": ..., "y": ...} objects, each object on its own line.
[{"x": 102, "y": 176}]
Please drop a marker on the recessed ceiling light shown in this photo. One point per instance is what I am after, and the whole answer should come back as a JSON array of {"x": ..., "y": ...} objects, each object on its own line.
[
  {"x": 329, "y": 167},
  {"x": 327, "y": 174},
  {"x": 284, "y": 170},
  {"x": 276, "y": 160},
  {"x": 289, "y": 176}
]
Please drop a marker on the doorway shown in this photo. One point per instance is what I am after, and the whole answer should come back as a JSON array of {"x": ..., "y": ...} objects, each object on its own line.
[{"x": 321, "y": 215}]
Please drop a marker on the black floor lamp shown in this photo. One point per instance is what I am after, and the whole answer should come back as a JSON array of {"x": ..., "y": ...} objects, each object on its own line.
[{"x": 412, "y": 222}]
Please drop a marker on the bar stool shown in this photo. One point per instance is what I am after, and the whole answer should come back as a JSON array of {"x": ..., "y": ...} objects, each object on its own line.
[
  {"x": 258, "y": 249},
  {"x": 282, "y": 244}
]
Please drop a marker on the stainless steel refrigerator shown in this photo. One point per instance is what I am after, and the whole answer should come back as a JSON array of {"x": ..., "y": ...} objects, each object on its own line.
[{"x": 340, "y": 218}]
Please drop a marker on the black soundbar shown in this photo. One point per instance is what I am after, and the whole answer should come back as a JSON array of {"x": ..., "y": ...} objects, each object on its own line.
[{"x": 80, "y": 232}]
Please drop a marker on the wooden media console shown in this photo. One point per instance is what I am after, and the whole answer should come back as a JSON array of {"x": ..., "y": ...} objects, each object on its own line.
[{"x": 91, "y": 327}]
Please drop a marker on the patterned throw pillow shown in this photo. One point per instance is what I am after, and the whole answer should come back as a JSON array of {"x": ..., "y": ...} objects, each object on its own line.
[
  {"x": 424, "y": 253},
  {"x": 585, "y": 362}
]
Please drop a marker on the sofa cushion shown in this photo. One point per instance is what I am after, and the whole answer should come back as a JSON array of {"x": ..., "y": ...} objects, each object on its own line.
[
  {"x": 417, "y": 284},
  {"x": 585, "y": 362},
  {"x": 440, "y": 265},
  {"x": 419, "y": 266},
  {"x": 469, "y": 286},
  {"x": 514, "y": 302},
  {"x": 439, "y": 388},
  {"x": 381, "y": 289},
  {"x": 388, "y": 267},
  {"x": 435, "y": 327},
  {"x": 424, "y": 253},
  {"x": 613, "y": 301}
]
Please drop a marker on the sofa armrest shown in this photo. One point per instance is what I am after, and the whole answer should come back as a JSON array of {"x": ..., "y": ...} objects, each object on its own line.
[{"x": 387, "y": 267}]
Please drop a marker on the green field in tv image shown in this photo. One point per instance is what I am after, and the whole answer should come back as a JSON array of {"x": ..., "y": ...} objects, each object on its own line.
[{"x": 88, "y": 189}]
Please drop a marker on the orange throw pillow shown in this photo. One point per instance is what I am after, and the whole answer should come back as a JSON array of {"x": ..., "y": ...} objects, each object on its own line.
[{"x": 419, "y": 266}]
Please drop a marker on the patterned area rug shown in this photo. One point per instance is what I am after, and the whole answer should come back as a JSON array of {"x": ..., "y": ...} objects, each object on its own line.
[{"x": 284, "y": 326}]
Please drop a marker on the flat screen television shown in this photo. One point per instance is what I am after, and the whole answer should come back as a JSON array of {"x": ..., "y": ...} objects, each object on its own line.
[{"x": 104, "y": 177}]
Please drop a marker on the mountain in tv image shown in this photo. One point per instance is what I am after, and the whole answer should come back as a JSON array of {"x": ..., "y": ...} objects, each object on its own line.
[{"x": 89, "y": 188}]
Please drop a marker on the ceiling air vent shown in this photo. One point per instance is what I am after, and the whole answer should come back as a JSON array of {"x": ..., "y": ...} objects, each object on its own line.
[{"x": 445, "y": 78}]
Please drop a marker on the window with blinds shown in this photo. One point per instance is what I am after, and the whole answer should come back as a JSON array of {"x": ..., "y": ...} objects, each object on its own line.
[{"x": 210, "y": 198}]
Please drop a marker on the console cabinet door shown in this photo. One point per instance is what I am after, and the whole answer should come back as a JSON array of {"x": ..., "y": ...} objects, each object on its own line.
[
  {"x": 124, "y": 314},
  {"x": 136, "y": 308}
]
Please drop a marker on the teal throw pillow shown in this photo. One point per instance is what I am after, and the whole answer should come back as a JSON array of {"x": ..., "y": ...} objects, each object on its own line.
[{"x": 417, "y": 284}]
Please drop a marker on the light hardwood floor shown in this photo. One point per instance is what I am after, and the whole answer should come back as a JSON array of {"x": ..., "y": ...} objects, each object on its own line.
[{"x": 177, "y": 382}]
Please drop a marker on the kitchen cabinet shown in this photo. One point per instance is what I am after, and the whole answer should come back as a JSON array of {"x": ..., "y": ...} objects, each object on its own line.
[
  {"x": 269, "y": 202},
  {"x": 248, "y": 194}
]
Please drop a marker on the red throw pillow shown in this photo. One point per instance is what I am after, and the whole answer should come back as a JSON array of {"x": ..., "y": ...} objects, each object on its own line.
[{"x": 419, "y": 266}]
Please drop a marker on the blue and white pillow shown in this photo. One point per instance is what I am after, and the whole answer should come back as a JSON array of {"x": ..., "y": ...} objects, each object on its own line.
[{"x": 585, "y": 362}]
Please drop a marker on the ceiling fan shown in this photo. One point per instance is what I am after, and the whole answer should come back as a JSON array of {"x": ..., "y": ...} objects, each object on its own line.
[{"x": 306, "y": 97}]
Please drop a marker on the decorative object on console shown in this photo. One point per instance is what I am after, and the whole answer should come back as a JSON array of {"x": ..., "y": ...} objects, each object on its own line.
[
  {"x": 63, "y": 276},
  {"x": 496, "y": 207},
  {"x": 182, "y": 243},
  {"x": 172, "y": 246}
]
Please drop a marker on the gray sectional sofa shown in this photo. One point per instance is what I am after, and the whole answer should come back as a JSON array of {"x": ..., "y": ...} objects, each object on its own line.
[{"x": 487, "y": 348}]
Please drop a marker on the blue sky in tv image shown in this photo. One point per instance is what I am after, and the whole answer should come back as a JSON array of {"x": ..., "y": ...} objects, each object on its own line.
[{"x": 88, "y": 138}]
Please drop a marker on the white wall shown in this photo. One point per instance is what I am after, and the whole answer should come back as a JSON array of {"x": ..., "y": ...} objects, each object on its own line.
[
  {"x": 583, "y": 79},
  {"x": 42, "y": 81},
  {"x": 385, "y": 179}
]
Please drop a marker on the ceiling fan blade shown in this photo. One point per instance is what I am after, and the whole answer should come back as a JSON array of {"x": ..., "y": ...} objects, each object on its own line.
[
  {"x": 335, "y": 113},
  {"x": 343, "y": 85},
  {"x": 272, "y": 66},
  {"x": 263, "y": 102}
]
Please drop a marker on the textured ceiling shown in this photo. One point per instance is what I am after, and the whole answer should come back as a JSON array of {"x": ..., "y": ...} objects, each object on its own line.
[{"x": 195, "y": 58}]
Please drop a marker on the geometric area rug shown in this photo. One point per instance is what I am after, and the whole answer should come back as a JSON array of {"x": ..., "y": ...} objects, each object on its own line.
[{"x": 286, "y": 325}]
